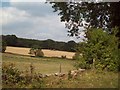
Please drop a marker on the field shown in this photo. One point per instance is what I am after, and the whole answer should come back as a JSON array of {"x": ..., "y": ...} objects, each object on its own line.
[
  {"x": 87, "y": 79},
  {"x": 47, "y": 53},
  {"x": 50, "y": 65},
  {"x": 41, "y": 65}
]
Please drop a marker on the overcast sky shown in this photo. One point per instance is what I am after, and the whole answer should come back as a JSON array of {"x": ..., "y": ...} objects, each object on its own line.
[{"x": 32, "y": 20}]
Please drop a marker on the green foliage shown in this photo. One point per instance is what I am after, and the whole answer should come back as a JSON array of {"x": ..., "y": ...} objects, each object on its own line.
[
  {"x": 81, "y": 63},
  {"x": 70, "y": 46},
  {"x": 12, "y": 40},
  {"x": 69, "y": 75},
  {"x": 13, "y": 78},
  {"x": 36, "y": 52},
  {"x": 49, "y": 44},
  {"x": 36, "y": 47},
  {"x": 10, "y": 74},
  {"x": 98, "y": 15},
  {"x": 3, "y": 46},
  {"x": 104, "y": 15},
  {"x": 100, "y": 51},
  {"x": 76, "y": 56}
]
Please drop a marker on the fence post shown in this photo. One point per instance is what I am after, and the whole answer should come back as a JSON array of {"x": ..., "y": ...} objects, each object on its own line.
[{"x": 60, "y": 69}]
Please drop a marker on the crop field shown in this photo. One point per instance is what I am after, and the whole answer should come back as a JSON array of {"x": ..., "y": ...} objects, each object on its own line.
[{"x": 47, "y": 53}]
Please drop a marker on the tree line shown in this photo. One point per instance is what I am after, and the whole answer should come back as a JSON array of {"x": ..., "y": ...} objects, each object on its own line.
[{"x": 13, "y": 40}]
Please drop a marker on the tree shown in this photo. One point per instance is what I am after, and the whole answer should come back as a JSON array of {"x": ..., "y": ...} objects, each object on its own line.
[
  {"x": 104, "y": 15},
  {"x": 49, "y": 44},
  {"x": 36, "y": 51},
  {"x": 11, "y": 40},
  {"x": 70, "y": 46},
  {"x": 3, "y": 46},
  {"x": 100, "y": 51}
]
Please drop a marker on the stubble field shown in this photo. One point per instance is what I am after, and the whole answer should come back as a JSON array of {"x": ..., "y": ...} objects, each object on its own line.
[{"x": 47, "y": 53}]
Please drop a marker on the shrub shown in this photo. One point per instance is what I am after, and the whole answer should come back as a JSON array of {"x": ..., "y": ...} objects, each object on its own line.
[
  {"x": 69, "y": 75},
  {"x": 76, "y": 56},
  {"x": 100, "y": 50},
  {"x": 10, "y": 74},
  {"x": 12, "y": 77},
  {"x": 39, "y": 53},
  {"x": 63, "y": 57},
  {"x": 81, "y": 63},
  {"x": 112, "y": 67},
  {"x": 36, "y": 52}
]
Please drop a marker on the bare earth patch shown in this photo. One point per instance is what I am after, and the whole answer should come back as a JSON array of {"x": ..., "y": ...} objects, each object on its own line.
[{"x": 47, "y": 53}]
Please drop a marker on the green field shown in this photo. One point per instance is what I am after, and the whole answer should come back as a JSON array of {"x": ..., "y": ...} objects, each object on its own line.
[
  {"x": 87, "y": 79},
  {"x": 42, "y": 65}
]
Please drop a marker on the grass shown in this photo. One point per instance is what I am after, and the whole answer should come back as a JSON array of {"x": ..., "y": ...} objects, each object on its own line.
[
  {"x": 41, "y": 65},
  {"x": 87, "y": 79}
]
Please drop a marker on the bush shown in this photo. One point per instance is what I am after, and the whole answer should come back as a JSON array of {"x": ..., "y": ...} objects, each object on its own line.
[
  {"x": 10, "y": 74},
  {"x": 39, "y": 53},
  {"x": 112, "y": 67},
  {"x": 82, "y": 64},
  {"x": 100, "y": 50},
  {"x": 69, "y": 75},
  {"x": 76, "y": 56},
  {"x": 13, "y": 78},
  {"x": 36, "y": 52},
  {"x": 63, "y": 57}
]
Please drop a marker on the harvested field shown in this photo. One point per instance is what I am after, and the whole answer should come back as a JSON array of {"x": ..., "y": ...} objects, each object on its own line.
[
  {"x": 18, "y": 50},
  {"x": 52, "y": 53},
  {"x": 47, "y": 53}
]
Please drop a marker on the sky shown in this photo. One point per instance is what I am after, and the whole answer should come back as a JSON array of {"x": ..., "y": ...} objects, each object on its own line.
[{"x": 33, "y": 20}]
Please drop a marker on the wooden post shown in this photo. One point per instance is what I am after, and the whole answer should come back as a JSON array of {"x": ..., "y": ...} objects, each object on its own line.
[
  {"x": 60, "y": 69},
  {"x": 31, "y": 69}
]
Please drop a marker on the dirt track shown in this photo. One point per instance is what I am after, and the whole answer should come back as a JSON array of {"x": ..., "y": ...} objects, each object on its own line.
[{"x": 47, "y": 53}]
